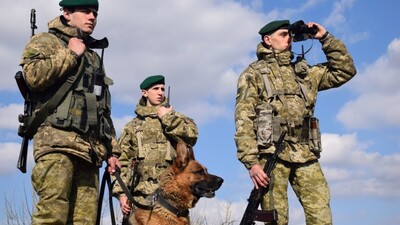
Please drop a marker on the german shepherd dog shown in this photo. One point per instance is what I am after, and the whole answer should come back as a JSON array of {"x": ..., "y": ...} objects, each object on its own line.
[{"x": 181, "y": 187}]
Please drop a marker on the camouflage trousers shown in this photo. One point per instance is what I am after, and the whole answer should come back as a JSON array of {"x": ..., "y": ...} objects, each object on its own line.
[
  {"x": 309, "y": 185},
  {"x": 67, "y": 187}
]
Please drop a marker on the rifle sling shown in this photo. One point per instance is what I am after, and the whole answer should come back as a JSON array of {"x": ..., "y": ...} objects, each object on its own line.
[
  {"x": 52, "y": 104},
  {"x": 265, "y": 216}
]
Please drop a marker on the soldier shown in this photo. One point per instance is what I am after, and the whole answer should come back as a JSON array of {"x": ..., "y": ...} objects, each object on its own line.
[
  {"x": 78, "y": 134},
  {"x": 276, "y": 94},
  {"x": 147, "y": 143}
]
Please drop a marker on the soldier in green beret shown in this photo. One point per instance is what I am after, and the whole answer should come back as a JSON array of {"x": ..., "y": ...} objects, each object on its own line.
[
  {"x": 275, "y": 94},
  {"x": 77, "y": 134},
  {"x": 148, "y": 144}
]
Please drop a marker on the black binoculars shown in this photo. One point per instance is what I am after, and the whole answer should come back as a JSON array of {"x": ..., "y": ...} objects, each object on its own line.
[{"x": 301, "y": 31}]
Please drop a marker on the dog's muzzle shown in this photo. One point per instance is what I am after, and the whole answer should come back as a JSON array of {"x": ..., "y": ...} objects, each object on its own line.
[{"x": 206, "y": 188}]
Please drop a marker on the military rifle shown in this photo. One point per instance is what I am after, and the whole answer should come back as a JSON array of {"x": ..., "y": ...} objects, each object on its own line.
[
  {"x": 252, "y": 213},
  {"x": 28, "y": 108}
]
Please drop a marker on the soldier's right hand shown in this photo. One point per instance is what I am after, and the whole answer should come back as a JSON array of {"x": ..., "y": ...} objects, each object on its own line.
[
  {"x": 77, "y": 45},
  {"x": 258, "y": 176},
  {"x": 162, "y": 110},
  {"x": 125, "y": 207}
]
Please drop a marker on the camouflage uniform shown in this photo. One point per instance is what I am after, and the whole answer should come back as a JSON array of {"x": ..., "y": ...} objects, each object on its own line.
[
  {"x": 260, "y": 117},
  {"x": 150, "y": 142},
  {"x": 67, "y": 156}
]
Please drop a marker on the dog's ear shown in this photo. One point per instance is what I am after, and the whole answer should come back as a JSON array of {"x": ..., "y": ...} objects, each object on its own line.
[
  {"x": 184, "y": 154},
  {"x": 189, "y": 148}
]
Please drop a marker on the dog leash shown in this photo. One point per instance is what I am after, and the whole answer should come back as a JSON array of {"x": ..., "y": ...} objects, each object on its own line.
[
  {"x": 122, "y": 184},
  {"x": 105, "y": 180}
]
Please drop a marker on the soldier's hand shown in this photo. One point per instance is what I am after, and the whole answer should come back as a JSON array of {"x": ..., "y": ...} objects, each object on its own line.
[
  {"x": 258, "y": 176},
  {"x": 321, "y": 29},
  {"x": 125, "y": 206},
  {"x": 77, "y": 45},
  {"x": 162, "y": 110},
  {"x": 112, "y": 162}
]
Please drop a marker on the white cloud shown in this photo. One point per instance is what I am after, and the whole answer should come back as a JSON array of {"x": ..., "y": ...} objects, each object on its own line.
[
  {"x": 337, "y": 17},
  {"x": 192, "y": 43},
  {"x": 353, "y": 171},
  {"x": 203, "y": 112},
  {"x": 9, "y": 116},
  {"x": 9, "y": 156},
  {"x": 377, "y": 86}
]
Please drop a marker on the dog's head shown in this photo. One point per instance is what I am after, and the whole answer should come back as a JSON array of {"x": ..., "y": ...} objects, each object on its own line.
[
  {"x": 191, "y": 177},
  {"x": 203, "y": 184}
]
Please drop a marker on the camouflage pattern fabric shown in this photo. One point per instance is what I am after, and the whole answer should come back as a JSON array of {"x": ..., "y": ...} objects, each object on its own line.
[
  {"x": 68, "y": 190},
  {"x": 309, "y": 185},
  {"x": 150, "y": 141},
  {"x": 289, "y": 108}
]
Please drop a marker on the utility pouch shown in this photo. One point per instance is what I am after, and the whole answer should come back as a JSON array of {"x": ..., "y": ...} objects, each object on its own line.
[
  {"x": 264, "y": 125},
  {"x": 315, "y": 136}
]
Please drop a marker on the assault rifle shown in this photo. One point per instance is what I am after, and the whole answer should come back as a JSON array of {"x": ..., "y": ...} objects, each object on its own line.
[
  {"x": 28, "y": 108},
  {"x": 252, "y": 213}
]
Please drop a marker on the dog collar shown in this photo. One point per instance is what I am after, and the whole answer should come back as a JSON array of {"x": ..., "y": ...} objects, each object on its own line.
[{"x": 163, "y": 202}]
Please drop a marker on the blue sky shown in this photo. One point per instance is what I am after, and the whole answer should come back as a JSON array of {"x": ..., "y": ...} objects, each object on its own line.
[{"x": 202, "y": 47}]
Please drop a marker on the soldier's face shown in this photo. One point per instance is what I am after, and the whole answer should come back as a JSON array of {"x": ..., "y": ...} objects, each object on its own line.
[
  {"x": 82, "y": 18},
  {"x": 279, "y": 40},
  {"x": 154, "y": 95}
]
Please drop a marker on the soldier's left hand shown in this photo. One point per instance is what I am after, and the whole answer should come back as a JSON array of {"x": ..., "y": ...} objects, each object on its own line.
[{"x": 321, "y": 29}]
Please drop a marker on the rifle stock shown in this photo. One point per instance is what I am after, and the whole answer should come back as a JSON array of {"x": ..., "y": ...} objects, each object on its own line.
[{"x": 252, "y": 213}]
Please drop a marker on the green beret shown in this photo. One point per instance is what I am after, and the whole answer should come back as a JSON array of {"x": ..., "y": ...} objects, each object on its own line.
[
  {"x": 273, "y": 26},
  {"x": 151, "y": 81},
  {"x": 79, "y": 3}
]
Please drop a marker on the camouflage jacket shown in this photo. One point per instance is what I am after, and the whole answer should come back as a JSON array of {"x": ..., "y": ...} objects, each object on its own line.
[
  {"x": 150, "y": 141},
  {"x": 295, "y": 87},
  {"x": 46, "y": 63}
]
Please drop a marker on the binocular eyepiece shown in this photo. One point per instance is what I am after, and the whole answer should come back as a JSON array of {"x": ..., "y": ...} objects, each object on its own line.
[{"x": 301, "y": 31}]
